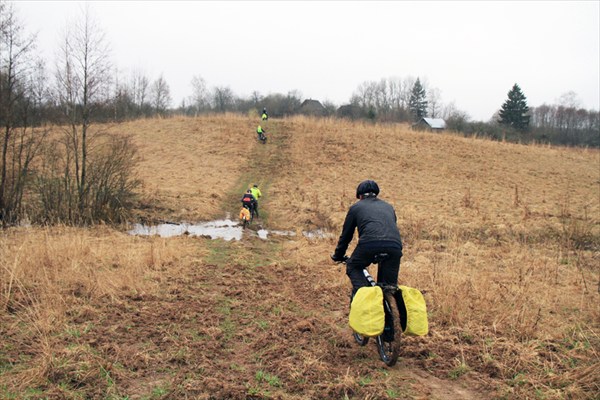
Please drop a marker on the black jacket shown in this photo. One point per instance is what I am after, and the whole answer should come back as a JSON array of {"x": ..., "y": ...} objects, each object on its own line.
[
  {"x": 376, "y": 223},
  {"x": 248, "y": 198}
]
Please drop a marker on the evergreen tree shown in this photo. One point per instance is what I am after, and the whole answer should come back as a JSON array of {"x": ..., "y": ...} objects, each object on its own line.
[
  {"x": 417, "y": 104},
  {"x": 514, "y": 111}
]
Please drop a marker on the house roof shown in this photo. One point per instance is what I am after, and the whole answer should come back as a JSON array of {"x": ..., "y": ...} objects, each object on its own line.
[
  {"x": 311, "y": 103},
  {"x": 435, "y": 123}
]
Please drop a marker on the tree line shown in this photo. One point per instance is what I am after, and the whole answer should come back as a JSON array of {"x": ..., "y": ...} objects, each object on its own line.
[
  {"x": 59, "y": 165},
  {"x": 565, "y": 123},
  {"x": 55, "y": 166}
]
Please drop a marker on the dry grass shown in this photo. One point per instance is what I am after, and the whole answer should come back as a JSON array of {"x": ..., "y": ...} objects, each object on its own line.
[
  {"x": 504, "y": 239},
  {"x": 189, "y": 166}
]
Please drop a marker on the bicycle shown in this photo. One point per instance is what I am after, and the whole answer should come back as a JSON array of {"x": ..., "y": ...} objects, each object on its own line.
[
  {"x": 262, "y": 138},
  {"x": 388, "y": 350}
]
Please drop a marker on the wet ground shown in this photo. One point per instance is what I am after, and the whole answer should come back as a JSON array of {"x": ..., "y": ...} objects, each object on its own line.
[{"x": 225, "y": 229}]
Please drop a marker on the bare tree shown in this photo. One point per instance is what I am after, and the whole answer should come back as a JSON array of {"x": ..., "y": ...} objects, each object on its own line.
[
  {"x": 161, "y": 95},
  {"x": 122, "y": 103},
  {"x": 434, "y": 100},
  {"x": 395, "y": 93},
  {"x": 14, "y": 63},
  {"x": 455, "y": 119},
  {"x": 199, "y": 98},
  {"x": 364, "y": 95},
  {"x": 256, "y": 97},
  {"x": 139, "y": 87},
  {"x": 40, "y": 91},
  {"x": 385, "y": 100},
  {"x": 82, "y": 80},
  {"x": 406, "y": 90},
  {"x": 569, "y": 100},
  {"x": 223, "y": 98}
]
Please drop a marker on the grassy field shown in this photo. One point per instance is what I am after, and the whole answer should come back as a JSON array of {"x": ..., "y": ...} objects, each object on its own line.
[{"x": 504, "y": 240}]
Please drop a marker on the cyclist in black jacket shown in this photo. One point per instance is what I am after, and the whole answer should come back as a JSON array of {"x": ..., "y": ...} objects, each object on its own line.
[
  {"x": 377, "y": 233},
  {"x": 249, "y": 201}
]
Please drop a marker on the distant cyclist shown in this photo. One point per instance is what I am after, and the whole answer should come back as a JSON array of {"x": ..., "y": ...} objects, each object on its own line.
[
  {"x": 264, "y": 116},
  {"x": 261, "y": 132},
  {"x": 377, "y": 233}
]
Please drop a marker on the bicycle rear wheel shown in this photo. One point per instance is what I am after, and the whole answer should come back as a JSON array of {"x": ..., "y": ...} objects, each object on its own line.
[{"x": 389, "y": 350}]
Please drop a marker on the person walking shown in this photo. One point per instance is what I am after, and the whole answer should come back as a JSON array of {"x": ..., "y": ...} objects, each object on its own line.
[{"x": 257, "y": 195}]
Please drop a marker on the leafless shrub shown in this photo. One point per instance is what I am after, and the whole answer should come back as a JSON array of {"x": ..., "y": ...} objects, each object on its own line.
[{"x": 109, "y": 193}]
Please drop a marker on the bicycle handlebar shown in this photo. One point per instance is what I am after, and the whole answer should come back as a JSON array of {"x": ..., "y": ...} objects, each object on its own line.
[{"x": 377, "y": 259}]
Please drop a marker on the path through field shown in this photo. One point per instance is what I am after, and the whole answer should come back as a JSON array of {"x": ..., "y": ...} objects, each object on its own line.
[{"x": 244, "y": 323}]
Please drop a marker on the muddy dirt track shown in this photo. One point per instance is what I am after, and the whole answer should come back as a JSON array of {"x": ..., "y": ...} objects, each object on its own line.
[{"x": 226, "y": 331}]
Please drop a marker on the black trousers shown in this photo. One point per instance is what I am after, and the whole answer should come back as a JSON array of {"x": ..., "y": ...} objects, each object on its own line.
[{"x": 363, "y": 256}]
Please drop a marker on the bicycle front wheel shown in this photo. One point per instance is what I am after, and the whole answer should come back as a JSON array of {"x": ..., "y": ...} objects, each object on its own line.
[
  {"x": 388, "y": 343},
  {"x": 360, "y": 339}
]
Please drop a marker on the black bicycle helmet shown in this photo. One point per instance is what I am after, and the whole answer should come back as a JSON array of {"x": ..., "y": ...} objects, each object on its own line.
[{"x": 367, "y": 186}]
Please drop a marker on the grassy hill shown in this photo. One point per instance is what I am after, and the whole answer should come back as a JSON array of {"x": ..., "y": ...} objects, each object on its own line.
[{"x": 503, "y": 238}]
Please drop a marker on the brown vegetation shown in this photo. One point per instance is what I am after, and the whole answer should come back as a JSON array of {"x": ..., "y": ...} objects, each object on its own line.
[{"x": 503, "y": 238}]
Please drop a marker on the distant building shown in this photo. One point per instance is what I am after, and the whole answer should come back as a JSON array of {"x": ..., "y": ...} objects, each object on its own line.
[
  {"x": 430, "y": 124},
  {"x": 350, "y": 111},
  {"x": 312, "y": 107}
]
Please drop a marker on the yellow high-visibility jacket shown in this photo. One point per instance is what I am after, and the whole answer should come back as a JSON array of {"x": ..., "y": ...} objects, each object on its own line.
[{"x": 256, "y": 192}]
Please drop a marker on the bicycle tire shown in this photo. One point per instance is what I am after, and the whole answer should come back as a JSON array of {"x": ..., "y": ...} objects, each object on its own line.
[
  {"x": 389, "y": 351},
  {"x": 361, "y": 340}
]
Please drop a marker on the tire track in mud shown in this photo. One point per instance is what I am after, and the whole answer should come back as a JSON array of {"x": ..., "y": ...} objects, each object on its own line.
[{"x": 267, "y": 160}]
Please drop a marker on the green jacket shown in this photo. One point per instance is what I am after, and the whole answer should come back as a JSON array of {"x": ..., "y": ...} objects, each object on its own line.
[{"x": 256, "y": 192}]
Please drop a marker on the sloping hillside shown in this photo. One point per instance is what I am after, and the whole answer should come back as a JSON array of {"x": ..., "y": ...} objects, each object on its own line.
[{"x": 504, "y": 239}]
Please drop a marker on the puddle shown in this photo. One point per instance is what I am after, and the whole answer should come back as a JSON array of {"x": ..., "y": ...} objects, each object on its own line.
[
  {"x": 263, "y": 233},
  {"x": 226, "y": 229},
  {"x": 220, "y": 229},
  {"x": 318, "y": 234}
]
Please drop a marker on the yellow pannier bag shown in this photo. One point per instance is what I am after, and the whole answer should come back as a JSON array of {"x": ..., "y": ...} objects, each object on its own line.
[
  {"x": 244, "y": 214},
  {"x": 367, "y": 317},
  {"x": 413, "y": 311}
]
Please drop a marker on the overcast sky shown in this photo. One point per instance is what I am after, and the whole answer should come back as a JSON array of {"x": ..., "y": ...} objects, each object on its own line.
[{"x": 472, "y": 51}]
